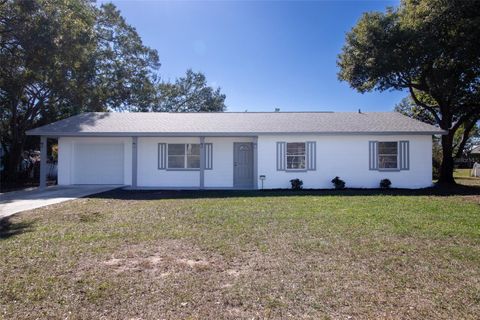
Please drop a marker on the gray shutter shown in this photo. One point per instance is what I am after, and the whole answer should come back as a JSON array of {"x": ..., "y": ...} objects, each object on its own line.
[
  {"x": 373, "y": 155},
  {"x": 162, "y": 156},
  {"x": 311, "y": 155},
  {"x": 208, "y": 156},
  {"x": 281, "y": 155},
  {"x": 404, "y": 155}
]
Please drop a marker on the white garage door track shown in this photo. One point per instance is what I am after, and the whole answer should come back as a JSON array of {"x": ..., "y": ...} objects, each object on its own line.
[{"x": 17, "y": 201}]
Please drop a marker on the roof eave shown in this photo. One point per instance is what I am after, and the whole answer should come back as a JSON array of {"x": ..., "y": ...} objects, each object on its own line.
[{"x": 222, "y": 134}]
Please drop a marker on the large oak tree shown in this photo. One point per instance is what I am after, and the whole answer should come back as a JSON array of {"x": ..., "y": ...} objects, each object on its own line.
[
  {"x": 430, "y": 48},
  {"x": 60, "y": 58}
]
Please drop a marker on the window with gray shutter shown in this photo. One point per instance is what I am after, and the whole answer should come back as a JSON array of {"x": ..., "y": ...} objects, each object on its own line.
[
  {"x": 162, "y": 156},
  {"x": 281, "y": 155},
  {"x": 389, "y": 155},
  {"x": 296, "y": 156},
  {"x": 183, "y": 156},
  {"x": 208, "y": 156}
]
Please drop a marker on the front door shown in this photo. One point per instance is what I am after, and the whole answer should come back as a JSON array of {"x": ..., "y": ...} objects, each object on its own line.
[{"x": 243, "y": 165}]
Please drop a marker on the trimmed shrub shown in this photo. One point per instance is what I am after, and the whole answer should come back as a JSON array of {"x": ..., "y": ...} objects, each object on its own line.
[
  {"x": 338, "y": 183},
  {"x": 297, "y": 184},
  {"x": 385, "y": 183}
]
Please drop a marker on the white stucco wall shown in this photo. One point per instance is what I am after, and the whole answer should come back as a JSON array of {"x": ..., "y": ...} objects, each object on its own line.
[
  {"x": 347, "y": 157},
  {"x": 344, "y": 156},
  {"x": 66, "y": 159},
  {"x": 221, "y": 176}
]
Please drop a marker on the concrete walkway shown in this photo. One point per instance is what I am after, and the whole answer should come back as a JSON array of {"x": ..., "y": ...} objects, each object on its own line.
[{"x": 17, "y": 201}]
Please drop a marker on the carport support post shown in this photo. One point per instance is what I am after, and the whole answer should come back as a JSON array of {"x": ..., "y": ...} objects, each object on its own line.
[
  {"x": 43, "y": 162},
  {"x": 255, "y": 163},
  {"x": 134, "y": 161},
  {"x": 202, "y": 162}
]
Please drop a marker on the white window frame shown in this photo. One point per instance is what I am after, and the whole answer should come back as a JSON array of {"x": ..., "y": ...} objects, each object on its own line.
[
  {"x": 397, "y": 155},
  {"x": 185, "y": 157},
  {"x": 299, "y": 155}
]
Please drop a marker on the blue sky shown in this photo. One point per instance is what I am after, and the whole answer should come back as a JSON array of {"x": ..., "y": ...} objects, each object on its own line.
[{"x": 264, "y": 55}]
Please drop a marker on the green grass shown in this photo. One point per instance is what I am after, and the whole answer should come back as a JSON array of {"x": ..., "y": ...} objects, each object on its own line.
[
  {"x": 462, "y": 173},
  {"x": 245, "y": 255},
  {"x": 463, "y": 177}
]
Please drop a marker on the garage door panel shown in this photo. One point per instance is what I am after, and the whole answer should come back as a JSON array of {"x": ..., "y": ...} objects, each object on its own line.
[{"x": 98, "y": 163}]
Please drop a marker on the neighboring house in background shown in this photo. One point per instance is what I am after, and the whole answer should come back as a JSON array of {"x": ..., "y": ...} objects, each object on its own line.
[
  {"x": 232, "y": 150},
  {"x": 474, "y": 153},
  {"x": 468, "y": 158}
]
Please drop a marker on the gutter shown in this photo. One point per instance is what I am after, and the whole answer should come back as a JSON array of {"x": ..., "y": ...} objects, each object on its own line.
[{"x": 223, "y": 134}]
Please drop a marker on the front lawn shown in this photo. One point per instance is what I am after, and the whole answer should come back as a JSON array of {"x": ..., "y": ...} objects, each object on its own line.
[
  {"x": 463, "y": 176},
  {"x": 311, "y": 255}
]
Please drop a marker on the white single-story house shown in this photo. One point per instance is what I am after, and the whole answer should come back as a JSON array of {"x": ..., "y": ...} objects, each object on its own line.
[{"x": 245, "y": 150}]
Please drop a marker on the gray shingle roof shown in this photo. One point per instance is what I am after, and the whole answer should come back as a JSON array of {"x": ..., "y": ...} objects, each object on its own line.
[{"x": 231, "y": 123}]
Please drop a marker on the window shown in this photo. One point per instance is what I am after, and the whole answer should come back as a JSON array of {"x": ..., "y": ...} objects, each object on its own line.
[
  {"x": 388, "y": 155},
  {"x": 184, "y": 156},
  {"x": 296, "y": 156}
]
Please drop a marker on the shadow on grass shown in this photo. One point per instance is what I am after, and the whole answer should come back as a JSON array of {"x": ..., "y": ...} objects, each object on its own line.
[
  {"x": 9, "y": 229},
  {"x": 461, "y": 190}
]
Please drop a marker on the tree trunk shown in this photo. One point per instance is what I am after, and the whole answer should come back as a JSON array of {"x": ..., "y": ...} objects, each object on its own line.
[
  {"x": 446, "y": 168},
  {"x": 466, "y": 135},
  {"x": 16, "y": 141},
  {"x": 12, "y": 157}
]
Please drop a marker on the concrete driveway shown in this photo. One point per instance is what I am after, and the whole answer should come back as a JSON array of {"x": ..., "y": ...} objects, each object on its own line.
[{"x": 17, "y": 201}]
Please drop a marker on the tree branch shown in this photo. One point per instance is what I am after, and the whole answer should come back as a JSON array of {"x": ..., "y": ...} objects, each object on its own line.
[
  {"x": 466, "y": 135},
  {"x": 423, "y": 105},
  {"x": 464, "y": 118}
]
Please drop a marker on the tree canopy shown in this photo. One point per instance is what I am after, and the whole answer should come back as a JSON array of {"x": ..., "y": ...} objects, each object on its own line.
[
  {"x": 190, "y": 93},
  {"x": 429, "y": 48},
  {"x": 408, "y": 108}
]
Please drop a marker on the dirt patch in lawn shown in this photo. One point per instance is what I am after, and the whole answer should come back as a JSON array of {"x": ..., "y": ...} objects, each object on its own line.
[
  {"x": 170, "y": 258},
  {"x": 166, "y": 257}
]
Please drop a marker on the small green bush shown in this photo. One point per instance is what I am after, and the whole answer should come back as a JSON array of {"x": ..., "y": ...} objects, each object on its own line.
[
  {"x": 297, "y": 184},
  {"x": 385, "y": 183},
  {"x": 338, "y": 183}
]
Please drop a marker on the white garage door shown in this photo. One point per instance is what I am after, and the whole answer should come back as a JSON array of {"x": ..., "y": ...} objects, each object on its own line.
[{"x": 98, "y": 163}]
